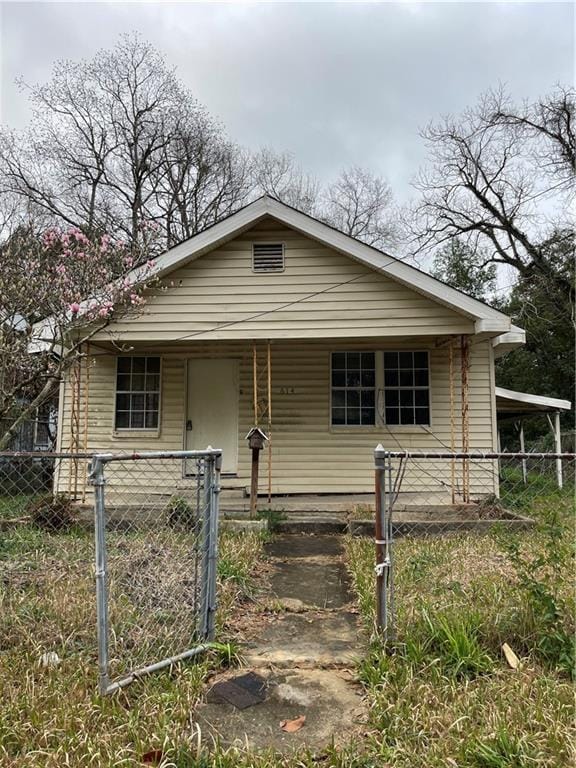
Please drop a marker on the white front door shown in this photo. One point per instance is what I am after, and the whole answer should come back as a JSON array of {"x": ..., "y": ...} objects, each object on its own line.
[{"x": 212, "y": 409}]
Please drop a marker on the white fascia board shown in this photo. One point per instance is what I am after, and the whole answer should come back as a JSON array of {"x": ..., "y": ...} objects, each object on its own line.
[
  {"x": 207, "y": 240},
  {"x": 488, "y": 319},
  {"x": 506, "y": 342},
  {"x": 537, "y": 400}
]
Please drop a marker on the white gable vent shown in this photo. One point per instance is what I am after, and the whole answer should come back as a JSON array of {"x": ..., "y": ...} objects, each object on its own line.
[{"x": 268, "y": 257}]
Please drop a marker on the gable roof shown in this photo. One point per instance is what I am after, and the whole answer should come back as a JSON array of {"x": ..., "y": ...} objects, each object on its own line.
[{"x": 486, "y": 319}]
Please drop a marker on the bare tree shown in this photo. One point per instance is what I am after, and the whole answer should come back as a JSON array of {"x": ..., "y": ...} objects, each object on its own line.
[
  {"x": 117, "y": 141},
  {"x": 278, "y": 175},
  {"x": 491, "y": 171},
  {"x": 359, "y": 204},
  {"x": 57, "y": 164},
  {"x": 202, "y": 177}
]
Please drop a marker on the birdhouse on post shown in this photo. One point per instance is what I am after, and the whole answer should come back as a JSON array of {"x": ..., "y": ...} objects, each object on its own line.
[{"x": 256, "y": 439}]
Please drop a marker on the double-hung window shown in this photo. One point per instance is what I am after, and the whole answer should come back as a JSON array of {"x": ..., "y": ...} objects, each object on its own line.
[
  {"x": 406, "y": 388},
  {"x": 353, "y": 388},
  {"x": 380, "y": 388},
  {"x": 137, "y": 393}
]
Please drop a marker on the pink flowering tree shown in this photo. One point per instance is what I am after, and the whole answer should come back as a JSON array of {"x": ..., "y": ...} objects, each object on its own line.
[{"x": 57, "y": 290}]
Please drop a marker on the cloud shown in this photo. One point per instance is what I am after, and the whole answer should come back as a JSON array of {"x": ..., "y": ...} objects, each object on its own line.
[{"x": 334, "y": 83}]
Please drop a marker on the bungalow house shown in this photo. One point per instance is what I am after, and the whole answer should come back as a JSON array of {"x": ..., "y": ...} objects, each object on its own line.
[{"x": 271, "y": 317}]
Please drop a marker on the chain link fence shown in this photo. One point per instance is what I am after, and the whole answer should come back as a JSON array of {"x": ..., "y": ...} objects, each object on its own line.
[
  {"x": 420, "y": 495},
  {"x": 152, "y": 522}
]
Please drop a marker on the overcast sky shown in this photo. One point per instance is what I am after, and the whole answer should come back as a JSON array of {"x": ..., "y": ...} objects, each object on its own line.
[{"x": 335, "y": 84}]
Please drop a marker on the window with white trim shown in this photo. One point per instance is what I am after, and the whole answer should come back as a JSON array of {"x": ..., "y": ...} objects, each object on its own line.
[
  {"x": 137, "y": 393},
  {"x": 406, "y": 388},
  {"x": 353, "y": 388}
]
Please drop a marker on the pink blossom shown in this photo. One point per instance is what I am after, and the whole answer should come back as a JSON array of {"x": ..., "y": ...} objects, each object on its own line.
[
  {"x": 61, "y": 269},
  {"x": 75, "y": 308}
]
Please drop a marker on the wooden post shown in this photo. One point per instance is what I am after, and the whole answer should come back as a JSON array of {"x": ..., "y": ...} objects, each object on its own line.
[
  {"x": 464, "y": 365},
  {"x": 255, "y": 382},
  {"x": 256, "y": 439},
  {"x": 75, "y": 385},
  {"x": 254, "y": 483},
  {"x": 452, "y": 429},
  {"x": 85, "y": 440},
  {"x": 269, "y": 424}
]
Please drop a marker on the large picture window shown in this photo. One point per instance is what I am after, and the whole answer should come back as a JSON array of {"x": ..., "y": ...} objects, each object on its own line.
[
  {"x": 137, "y": 393},
  {"x": 406, "y": 388},
  {"x": 353, "y": 388}
]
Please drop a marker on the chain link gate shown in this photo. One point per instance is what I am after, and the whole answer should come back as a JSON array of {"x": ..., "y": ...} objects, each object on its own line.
[{"x": 156, "y": 532}]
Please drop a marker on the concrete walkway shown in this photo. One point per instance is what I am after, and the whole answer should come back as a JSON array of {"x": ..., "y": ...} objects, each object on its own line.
[{"x": 305, "y": 649}]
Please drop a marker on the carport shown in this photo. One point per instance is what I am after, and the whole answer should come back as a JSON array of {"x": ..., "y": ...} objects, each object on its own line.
[{"x": 519, "y": 405}]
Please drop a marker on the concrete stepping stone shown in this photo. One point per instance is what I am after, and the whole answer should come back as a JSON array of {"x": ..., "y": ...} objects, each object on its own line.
[
  {"x": 306, "y": 640},
  {"x": 330, "y": 701}
]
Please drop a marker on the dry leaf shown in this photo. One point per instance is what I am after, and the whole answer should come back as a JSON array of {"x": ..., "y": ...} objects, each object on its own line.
[
  {"x": 291, "y": 726},
  {"x": 511, "y": 658},
  {"x": 153, "y": 756}
]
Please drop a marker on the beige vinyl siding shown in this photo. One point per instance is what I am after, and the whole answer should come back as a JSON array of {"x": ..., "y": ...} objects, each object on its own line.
[
  {"x": 218, "y": 296},
  {"x": 309, "y": 456}
]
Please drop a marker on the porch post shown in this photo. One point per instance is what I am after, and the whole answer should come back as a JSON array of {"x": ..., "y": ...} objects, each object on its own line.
[{"x": 464, "y": 370}]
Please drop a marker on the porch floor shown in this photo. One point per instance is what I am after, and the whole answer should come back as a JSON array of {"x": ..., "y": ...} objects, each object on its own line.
[{"x": 355, "y": 504}]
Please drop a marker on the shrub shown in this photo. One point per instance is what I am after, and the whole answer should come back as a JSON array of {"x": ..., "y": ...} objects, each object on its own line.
[
  {"x": 181, "y": 514},
  {"x": 540, "y": 577},
  {"x": 53, "y": 512},
  {"x": 273, "y": 518}
]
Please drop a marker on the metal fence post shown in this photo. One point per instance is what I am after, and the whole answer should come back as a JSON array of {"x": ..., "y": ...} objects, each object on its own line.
[
  {"x": 389, "y": 554},
  {"x": 206, "y": 551},
  {"x": 215, "y": 468},
  {"x": 383, "y": 540},
  {"x": 98, "y": 481},
  {"x": 380, "y": 523}
]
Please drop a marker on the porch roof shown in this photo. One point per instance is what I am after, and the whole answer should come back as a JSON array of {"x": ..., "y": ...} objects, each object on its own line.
[{"x": 510, "y": 403}]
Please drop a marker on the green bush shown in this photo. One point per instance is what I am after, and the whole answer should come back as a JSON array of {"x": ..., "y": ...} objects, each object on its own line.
[
  {"x": 181, "y": 514},
  {"x": 53, "y": 512},
  {"x": 541, "y": 574},
  {"x": 273, "y": 518}
]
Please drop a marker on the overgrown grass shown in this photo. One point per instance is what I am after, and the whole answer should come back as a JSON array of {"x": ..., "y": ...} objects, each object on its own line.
[
  {"x": 440, "y": 696},
  {"x": 53, "y": 716},
  {"x": 15, "y": 505},
  {"x": 441, "y": 693}
]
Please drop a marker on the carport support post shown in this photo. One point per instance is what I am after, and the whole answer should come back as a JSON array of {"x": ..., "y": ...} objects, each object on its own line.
[
  {"x": 523, "y": 450},
  {"x": 558, "y": 440}
]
